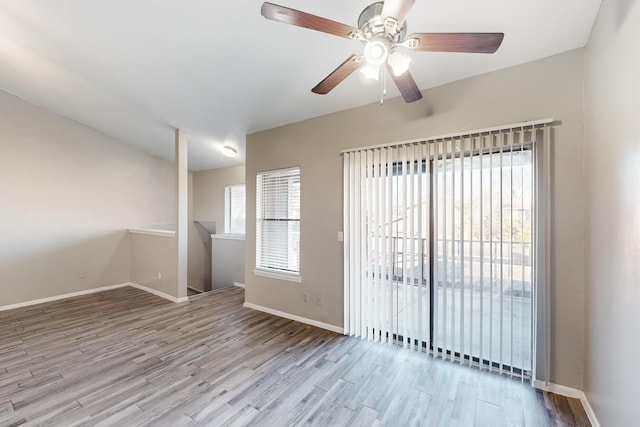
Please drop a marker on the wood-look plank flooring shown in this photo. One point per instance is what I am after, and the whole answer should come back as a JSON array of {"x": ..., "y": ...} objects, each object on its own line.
[{"x": 128, "y": 358}]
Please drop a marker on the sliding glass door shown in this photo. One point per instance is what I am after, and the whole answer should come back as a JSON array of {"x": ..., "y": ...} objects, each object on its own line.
[
  {"x": 482, "y": 275},
  {"x": 439, "y": 241}
]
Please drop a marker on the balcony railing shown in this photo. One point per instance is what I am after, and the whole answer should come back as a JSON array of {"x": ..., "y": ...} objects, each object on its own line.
[{"x": 472, "y": 264}]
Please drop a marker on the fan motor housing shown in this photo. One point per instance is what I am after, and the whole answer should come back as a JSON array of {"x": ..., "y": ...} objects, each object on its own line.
[{"x": 373, "y": 25}]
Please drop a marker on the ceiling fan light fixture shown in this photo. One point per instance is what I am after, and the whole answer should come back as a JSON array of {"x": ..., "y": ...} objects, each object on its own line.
[
  {"x": 376, "y": 52},
  {"x": 229, "y": 151},
  {"x": 371, "y": 71},
  {"x": 399, "y": 63},
  {"x": 382, "y": 28}
]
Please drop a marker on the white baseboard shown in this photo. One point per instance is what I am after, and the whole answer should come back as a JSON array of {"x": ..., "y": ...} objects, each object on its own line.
[
  {"x": 589, "y": 410},
  {"x": 558, "y": 389},
  {"x": 238, "y": 284},
  {"x": 93, "y": 291},
  {"x": 569, "y": 392},
  {"x": 290, "y": 316},
  {"x": 64, "y": 296},
  {"x": 158, "y": 293}
]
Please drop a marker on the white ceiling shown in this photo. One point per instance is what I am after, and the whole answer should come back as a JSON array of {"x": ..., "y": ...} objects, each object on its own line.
[{"x": 218, "y": 70}]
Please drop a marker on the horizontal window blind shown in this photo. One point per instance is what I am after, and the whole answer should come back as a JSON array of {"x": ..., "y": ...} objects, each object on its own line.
[
  {"x": 439, "y": 246},
  {"x": 278, "y": 220},
  {"x": 234, "y": 210}
]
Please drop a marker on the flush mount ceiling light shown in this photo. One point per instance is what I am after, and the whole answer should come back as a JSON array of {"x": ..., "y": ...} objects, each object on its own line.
[{"x": 229, "y": 151}]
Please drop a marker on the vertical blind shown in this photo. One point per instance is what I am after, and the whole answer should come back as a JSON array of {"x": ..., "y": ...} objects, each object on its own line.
[
  {"x": 438, "y": 246},
  {"x": 278, "y": 220}
]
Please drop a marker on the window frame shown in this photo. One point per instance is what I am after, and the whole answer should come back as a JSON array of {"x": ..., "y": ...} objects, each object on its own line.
[
  {"x": 228, "y": 207},
  {"x": 261, "y": 269}
]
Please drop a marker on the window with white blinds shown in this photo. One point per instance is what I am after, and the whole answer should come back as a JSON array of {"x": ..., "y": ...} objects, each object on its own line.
[
  {"x": 234, "y": 209},
  {"x": 278, "y": 221},
  {"x": 439, "y": 248}
]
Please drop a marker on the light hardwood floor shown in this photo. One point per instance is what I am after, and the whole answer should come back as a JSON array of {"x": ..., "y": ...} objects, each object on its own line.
[{"x": 128, "y": 358}]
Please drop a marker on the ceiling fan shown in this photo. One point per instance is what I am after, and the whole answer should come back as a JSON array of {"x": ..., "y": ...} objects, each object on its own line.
[{"x": 382, "y": 30}]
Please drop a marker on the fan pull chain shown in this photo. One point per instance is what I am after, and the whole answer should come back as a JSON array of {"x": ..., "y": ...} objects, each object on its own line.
[{"x": 383, "y": 85}]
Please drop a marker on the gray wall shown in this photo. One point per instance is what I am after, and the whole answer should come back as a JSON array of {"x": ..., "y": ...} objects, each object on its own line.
[
  {"x": 154, "y": 263},
  {"x": 612, "y": 113},
  {"x": 550, "y": 87},
  {"x": 207, "y": 204},
  {"x": 227, "y": 262},
  {"x": 67, "y": 193},
  {"x": 208, "y": 193},
  {"x": 199, "y": 261}
]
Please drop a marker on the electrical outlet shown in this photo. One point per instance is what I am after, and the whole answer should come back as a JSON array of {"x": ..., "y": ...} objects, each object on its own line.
[
  {"x": 83, "y": 274},
  {"x": 318, "y": 301},
  {"x": 305, "y": 297},
  {"x": 159, "y": 275}
]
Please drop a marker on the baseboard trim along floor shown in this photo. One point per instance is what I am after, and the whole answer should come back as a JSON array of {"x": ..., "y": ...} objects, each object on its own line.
[
  {"x": 569, "y": 392},
  {"x": 63, "y": 296},
  {"x": 333, "y": 328},
  {"x": 196, "y": 290},
  {"x": 158, "y": 293},
  {"x": 92, "y": 291}
]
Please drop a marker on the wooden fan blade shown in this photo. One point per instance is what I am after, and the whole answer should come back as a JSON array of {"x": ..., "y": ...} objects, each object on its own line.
[
  {"x": 398, "y": 9},
  {"x": 407, "y": 86},
  {"x": 343, "y": 71},
  {"x": 306, "y": 20},
  {"x": 456, "y": 42}
]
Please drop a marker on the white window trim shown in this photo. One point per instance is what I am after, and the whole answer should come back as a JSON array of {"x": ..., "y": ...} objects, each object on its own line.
[
  {"x": 273, "y": 273},
  {"x": 227, "y": 210},
  {"x": 280, "y": 275}
]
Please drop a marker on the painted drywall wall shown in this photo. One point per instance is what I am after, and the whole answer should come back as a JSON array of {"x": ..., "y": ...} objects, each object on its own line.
[
  {"x": 208, "y": 206},
  {"x": 208, "y": 193},
  {"x": 551, "y": 87},
  {"x": 612, "y": 108},
  {"x": 181, "y": 169},
  {"x": 199, "y": 261},
  {"x": 227, "y": 262},
  {"x": 67, "y": 195},
  {"x": 154, "y": 263}
]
